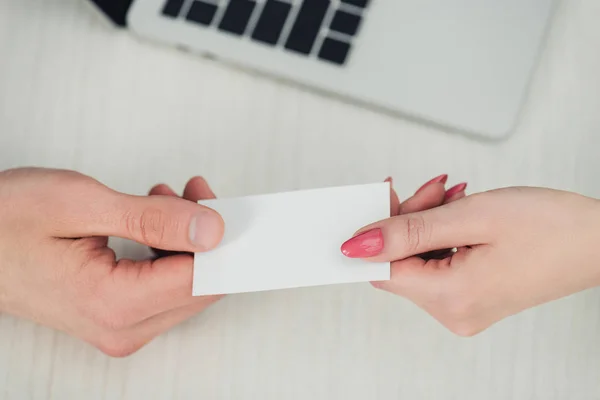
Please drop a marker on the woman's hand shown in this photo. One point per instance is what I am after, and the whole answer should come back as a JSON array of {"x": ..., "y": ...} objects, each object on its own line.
[
  {"x": 517, "y": 248},
  {"x": 56, "y": 267}
]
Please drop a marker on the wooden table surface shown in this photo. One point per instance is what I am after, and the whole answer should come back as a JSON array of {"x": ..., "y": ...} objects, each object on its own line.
[{"x": 76, "y": 93}]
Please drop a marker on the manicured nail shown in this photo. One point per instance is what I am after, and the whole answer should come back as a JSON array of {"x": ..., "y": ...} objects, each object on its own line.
[
  {"x": 367, "y": 244},
  {"x": 454, "y": 190},
  {"x": 203, "y": 227},
  {"x": 438, "y": 179}
]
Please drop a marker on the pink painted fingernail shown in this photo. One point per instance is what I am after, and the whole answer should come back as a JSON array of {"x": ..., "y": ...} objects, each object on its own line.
[
  {"x": 454, "y": 190},
  {"x": 367, "y": 244},
  {"x": 438, "y": 179}
]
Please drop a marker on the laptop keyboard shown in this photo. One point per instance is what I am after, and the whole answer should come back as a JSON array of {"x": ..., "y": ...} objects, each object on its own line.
[{"x": 321, "y": 28}]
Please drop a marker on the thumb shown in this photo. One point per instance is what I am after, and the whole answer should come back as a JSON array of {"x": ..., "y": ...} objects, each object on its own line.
[
  {"x": 403, "y": 236},
  {"x": 162, "y": 222}
]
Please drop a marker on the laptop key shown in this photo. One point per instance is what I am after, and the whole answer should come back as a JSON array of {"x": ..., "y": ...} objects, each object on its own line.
[
  {"x": 357, "y": 3},
  {"x": 307, "y": 26},
  {"x": 270, "y": 25},
  {"x": 236, "y": 17},
  {"x": 344, "y": 22},
  {"x": 334, "y": 51},
  {"x": 201, "y": 12},
  {"x": 172, "y": 8}
]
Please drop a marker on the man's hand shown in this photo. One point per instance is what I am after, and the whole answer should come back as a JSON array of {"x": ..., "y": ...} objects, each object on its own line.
[{"x": 56, "y": 268}]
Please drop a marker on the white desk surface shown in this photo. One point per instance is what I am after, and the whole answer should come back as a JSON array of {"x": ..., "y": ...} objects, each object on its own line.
[{"x": 75, "y": 93}]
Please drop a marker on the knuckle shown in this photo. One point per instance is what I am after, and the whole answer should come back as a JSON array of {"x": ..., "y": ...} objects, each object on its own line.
[
  {"x": 150, "y": 226},
  {"x": 117, "y": 345},
  {"x": 417, "y": 234}
]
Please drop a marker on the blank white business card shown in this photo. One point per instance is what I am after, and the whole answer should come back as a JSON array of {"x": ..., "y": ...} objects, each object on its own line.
[{"x": 290, "y": 240}]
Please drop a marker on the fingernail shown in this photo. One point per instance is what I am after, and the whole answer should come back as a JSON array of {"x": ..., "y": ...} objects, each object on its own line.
[
  {"x": 389, "y": 179},
  {"x": 438, "y": 179},
  {"x": 204, "y": 228},
  {"x": 367, "y": 244},
  {"x": 454, "y": 190}
]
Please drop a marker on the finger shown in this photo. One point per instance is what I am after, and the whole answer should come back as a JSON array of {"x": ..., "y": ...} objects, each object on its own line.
[
  {"x": 144, "y": 332},
  {"x": 98, "y": 242},
  {"x": 198, "y": 189},
  {"x": 430, "y": 196},
  {"x": 406, "y": 274},
  {"x": 162, "y": 190},
  {"x": 421, "y": 282},
  {"x": 394, "y": 200},
  {"x": 147, "y": 288},
  {"x": 456, "y": 197},
  {"x": 167, "y": 223},
  {"x": 163, "y": 222},
  {"x": 438, "y": 179},
  {"x": 92, "y": 209},
  {"x": 394, "y": 203},
  {"x": 455, "y": 193},
  {"x": 403, "y": 236}
]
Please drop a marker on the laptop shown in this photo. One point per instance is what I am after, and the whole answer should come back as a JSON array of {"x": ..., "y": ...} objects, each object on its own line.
[{"x": 464, "y": 65}]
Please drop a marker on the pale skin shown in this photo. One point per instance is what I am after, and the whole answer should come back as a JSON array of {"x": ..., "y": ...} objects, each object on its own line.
[
  {"x": 56, "y": 268},
  {"x": 517, "y": 248}
]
